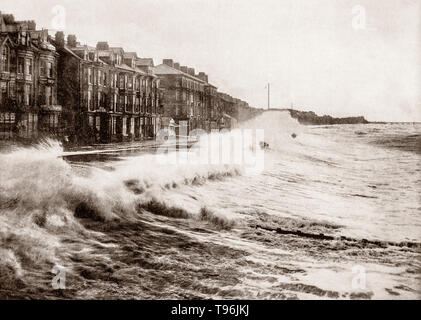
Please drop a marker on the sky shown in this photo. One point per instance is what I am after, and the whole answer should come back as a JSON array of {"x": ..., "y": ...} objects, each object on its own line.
[{"x": 337, "y": 57}]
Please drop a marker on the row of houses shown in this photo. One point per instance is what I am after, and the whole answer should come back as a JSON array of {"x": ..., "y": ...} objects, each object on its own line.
[{"x": 53, "y": 85}]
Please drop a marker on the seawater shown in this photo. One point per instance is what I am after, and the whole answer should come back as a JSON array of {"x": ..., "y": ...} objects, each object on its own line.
[{"x": 335, "y": 213}]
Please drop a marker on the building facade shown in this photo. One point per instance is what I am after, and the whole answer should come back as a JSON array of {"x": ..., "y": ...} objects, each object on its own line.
[
  {"x": 83, "y": 95},
  {"x": 187, "y": 98},
  {"x": 28, "y": 81},
  {"x": 115, "y": 97}
]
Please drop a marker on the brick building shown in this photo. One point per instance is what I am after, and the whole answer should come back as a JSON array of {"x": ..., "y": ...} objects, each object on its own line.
[
  {"x": 187, "y": 98},
  {"x": 28, "y": 81},
  {"x": 115, "y": 97},
  {"x": 52, "y": 85}
]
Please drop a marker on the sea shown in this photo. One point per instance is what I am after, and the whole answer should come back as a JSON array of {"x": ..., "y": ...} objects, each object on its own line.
[{"x": 271, "y": 210}]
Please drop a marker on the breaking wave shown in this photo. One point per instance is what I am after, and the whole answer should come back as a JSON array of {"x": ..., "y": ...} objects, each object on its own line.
[
  {"x": 170, "y": 226},
  {"x": 43, "y": 197}
]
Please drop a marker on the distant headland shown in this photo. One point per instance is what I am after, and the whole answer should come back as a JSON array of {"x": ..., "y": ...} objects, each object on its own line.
[{"x": 311, "y": 118}]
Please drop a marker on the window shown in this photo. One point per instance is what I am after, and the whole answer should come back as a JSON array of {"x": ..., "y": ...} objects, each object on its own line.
[
  {"x": 48, "y": 96},
  {"x": 49, "y": 69},
  {"x": 4, "y": 59},
  {"x": 20, "y": 94},
  {"x": 90, "y": 76},
  {"x": 42, "y": 69},
  {"x": 115, "y": 102},
  {"x": 89, "y": 100},
  {"x": 27, "y": 96},
  {"x": 28, "y": 66},
  {"x": 121, "y": 102},
  {"x": 121, "y": 82},
  {"x": 21, "y": 63},
  {"x": 137, "y": 104}
]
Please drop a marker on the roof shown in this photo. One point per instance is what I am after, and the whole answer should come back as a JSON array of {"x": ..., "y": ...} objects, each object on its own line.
[
  {"x": 46, "y": 46},
  {"x": 104, "y": 53},
  {"x": 69, "y": 51},
  {"x": 128, "y": 55},
  {"x": 164, "y": 69},
  {"x": 5, "y": 38},
  {"x": 84, "y": 47},
  {"x": 211, "y": 85},
  {"x": 125, "y": 67},
  {"x": 144, "y": 62},
  {"x": 141, "y": 71},
  {"x": 117, "y": 49}
]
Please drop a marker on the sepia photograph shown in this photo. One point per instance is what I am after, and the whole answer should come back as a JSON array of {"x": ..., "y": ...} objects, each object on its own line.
[{"x": 232, "y": 151}]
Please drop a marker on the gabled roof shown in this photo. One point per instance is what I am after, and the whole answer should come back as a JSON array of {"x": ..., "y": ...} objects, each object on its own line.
[{"x": 4, "y": 39}]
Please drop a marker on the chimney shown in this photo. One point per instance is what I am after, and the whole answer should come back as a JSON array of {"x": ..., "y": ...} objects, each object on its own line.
[
  {"x": 168, "y": 62},
  {"x": 203, "y": 76},
  {"x": 32, "y": 25},
  {"x": 191, "y": 71},
  {"x": 177, "y": 65},
  {"x": 71, "y": 41},
  {"x": 102, "y": 45},
  {"x": 184, "y": 69},
  {"x": 59, "y": 39},
  {"x": 8, "y": 18}
]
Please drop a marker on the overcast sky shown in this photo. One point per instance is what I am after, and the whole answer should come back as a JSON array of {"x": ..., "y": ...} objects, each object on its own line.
[{"x": 338, "y": 57}]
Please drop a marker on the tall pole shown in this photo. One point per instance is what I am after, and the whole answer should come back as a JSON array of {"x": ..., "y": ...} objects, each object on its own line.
[{"x": 268, "y": 96}]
